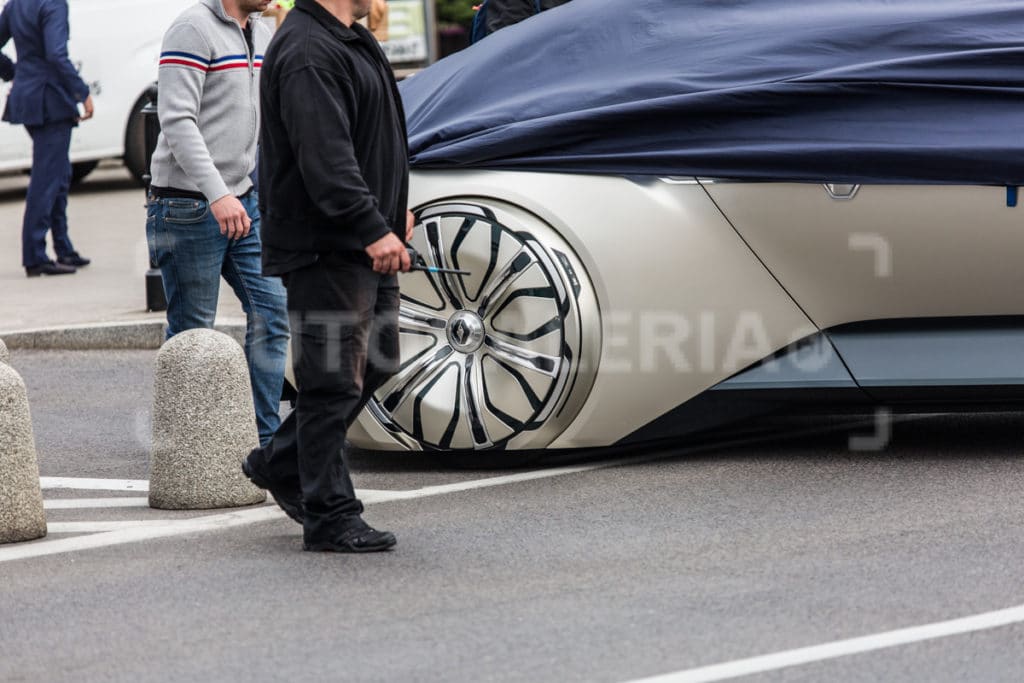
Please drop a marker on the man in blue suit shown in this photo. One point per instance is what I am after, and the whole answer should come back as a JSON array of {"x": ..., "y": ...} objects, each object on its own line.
[{"x": 44, "y": 98}]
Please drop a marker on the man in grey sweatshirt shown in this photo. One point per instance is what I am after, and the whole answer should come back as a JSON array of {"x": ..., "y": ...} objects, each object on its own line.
[{"x": 203, "y": 222}]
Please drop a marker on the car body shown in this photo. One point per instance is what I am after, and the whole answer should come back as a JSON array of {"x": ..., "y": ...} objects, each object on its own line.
[
  {"x": 612, "y": 306},
  {"x": 738, "y": 297}
]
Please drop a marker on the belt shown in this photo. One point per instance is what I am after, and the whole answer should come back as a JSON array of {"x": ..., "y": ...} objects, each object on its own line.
[{"x": 158, "y": 192}]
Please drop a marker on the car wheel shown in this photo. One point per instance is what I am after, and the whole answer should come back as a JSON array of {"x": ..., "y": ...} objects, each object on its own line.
[
  {"x": 135, "y": 141},
  {"x": 502, "y": 358}
]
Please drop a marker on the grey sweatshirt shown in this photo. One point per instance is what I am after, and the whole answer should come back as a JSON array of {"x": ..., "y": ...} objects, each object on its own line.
[{"x": 208, "y": 102}]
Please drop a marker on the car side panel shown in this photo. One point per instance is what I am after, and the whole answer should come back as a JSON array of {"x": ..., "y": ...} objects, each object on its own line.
[{"x": 890, "y": 252}]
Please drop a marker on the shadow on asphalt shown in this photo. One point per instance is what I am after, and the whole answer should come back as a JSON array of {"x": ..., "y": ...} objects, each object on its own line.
[{"x": 908, "y": 437}]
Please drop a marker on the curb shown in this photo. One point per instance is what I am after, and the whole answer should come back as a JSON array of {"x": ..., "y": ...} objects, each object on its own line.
[{"x": 143, "y": 334}]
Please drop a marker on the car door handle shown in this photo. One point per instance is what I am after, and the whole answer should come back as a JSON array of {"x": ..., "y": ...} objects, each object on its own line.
[{"x": 841, "y": 192}]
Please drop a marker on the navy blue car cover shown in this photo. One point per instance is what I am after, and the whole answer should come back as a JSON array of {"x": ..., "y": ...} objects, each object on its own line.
[{"x": 872, "y": 91}]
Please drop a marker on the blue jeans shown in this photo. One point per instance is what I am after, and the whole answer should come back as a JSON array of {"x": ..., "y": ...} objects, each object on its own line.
[{"x": 185, "y": 241}]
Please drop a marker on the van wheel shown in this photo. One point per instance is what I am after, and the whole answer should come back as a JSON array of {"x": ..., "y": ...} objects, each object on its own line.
[
  {"x": 135, "y": 141},
  {"x": 81, "y": 169}
]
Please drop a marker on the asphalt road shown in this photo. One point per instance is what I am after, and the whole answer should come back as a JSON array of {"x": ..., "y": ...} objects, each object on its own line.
[{"x": 697, "y": 557}]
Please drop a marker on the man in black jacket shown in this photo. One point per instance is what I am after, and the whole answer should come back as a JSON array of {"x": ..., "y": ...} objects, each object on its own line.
[{"x": 334, "y": 178}]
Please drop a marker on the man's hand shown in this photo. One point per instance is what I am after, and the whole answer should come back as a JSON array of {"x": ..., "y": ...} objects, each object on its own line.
[
  {"x": 410, "y": 222},
  {"x": 389, "y": 255},
  {"x": 231, "y": 216},
  {"x": 87, "y": 108}
]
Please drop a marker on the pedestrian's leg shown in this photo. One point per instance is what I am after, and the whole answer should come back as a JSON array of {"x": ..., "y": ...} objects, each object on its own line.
[
  {"x": 49, "y": 154},
  {"x": 189, "y": 250},
  {"x": 331, "y": 310},
  {"x": 59, "y": 213},
  {"x": 383, "y": 351},
  {"x": 266, "y": 334},
  {"x": 279, "y": 458}
]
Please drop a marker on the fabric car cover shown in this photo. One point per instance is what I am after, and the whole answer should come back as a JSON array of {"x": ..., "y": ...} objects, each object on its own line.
[{"x": 865, "y": 91}]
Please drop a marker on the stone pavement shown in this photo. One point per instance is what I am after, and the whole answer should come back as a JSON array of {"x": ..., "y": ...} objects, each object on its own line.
[{"x": 107, "y": 217}]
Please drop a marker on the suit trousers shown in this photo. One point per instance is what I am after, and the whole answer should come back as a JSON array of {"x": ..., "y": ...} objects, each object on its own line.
[
  {"x": 344, "y": 323},
  {"x": 47, "y": 201}
]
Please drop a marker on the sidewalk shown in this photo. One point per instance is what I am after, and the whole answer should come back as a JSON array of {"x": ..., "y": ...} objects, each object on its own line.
[{"x": 107, "y": 218}]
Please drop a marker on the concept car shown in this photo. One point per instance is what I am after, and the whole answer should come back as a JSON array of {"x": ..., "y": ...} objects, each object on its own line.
[{"x": 704, "y": 236}]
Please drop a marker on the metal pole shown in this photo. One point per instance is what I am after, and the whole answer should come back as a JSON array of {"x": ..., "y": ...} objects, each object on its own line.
[{"x": 156, "y": 299}]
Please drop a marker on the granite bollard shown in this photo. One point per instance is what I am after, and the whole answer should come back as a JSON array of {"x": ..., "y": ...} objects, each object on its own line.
[
  {"x": 5, "y": 355},
  {"x": 21, "y": 500},
  {"x": 204, "y": 424}
]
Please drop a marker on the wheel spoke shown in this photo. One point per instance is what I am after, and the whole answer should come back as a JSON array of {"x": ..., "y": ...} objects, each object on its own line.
[
  {"x": 523, "y": 357},
  {"x": 503, "y": 280},
  {"x": 401, "y": 390},
  {"x": 410, "y": 317},
  {"x": 436, "y": 244},
  {"x": 541, "y": 330},
  {"x": 472, "y": 385}
]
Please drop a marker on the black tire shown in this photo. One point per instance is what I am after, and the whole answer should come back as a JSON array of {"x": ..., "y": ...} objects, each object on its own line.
[
  {"x": 135, "y": 142},
  {"x": 81, "y": 169}
]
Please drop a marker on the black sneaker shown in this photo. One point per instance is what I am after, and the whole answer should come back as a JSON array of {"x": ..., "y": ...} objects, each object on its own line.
[
  {"x": 357, "y": 538},
  {"x": 289, "y": 501}
]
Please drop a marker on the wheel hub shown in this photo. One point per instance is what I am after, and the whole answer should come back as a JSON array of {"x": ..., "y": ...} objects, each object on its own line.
[{"x": 465, "y": 331}]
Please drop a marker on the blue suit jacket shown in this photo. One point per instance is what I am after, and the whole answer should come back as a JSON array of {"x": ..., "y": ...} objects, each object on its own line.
[{"x": 46, "y": 86}]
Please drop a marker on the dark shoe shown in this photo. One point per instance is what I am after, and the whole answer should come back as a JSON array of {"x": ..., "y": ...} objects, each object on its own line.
[
  {"x": 76, "y": 260},
  {"x": 357, "y": 538},
  {"x": 49, "y": 268},
  {"x": 289, "y": 501}
]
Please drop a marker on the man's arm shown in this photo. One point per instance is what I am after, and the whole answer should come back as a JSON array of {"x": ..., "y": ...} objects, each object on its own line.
[
  {"x": 55, "y": 40},
  {"x": 184, "y": 62}
]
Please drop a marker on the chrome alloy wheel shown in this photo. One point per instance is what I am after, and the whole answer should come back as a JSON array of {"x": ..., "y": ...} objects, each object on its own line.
[{"x": 501, "y": 358}]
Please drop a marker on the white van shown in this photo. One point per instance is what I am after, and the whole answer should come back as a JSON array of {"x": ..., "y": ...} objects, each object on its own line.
[{"x": 116, "y": 46}]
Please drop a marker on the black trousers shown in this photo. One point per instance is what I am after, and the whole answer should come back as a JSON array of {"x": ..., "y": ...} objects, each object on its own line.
[{"x": 344, "y": 325}]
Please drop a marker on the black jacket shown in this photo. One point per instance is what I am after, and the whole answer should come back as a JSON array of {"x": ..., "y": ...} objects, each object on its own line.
[
  {"x": 334, "y": 165},
  {"x": 502, "y": 13}
]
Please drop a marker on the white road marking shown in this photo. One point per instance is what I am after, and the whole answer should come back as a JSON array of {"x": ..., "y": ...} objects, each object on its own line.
[
  {"x": 250, "y": 515},
  {"x": 84, "y": 503},
  {"x": 842, "y": 648},
  {"x": 95, "y": 527},
  {"x": 132, "y": 535},
  {"x": 84, "y": 484}
]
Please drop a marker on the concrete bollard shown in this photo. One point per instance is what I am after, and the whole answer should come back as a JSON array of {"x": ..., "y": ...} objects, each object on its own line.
[
  {"x": 204, "y": 424},
  {"x": 21, "y": 500},
  {"x": 5, "y": 355}
]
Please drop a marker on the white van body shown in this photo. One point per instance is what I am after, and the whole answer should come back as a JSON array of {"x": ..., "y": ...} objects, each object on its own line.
[{"x": 116, "y": 45}]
